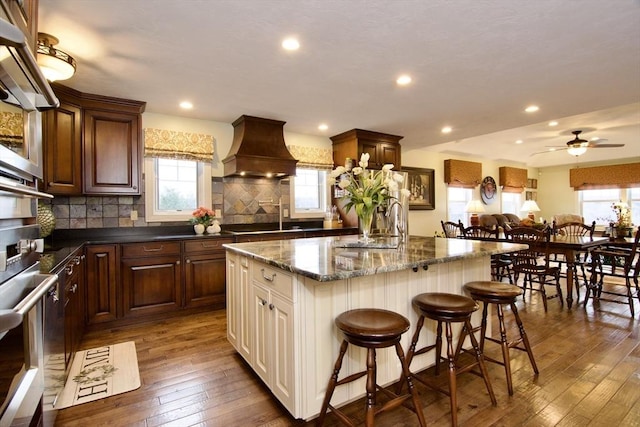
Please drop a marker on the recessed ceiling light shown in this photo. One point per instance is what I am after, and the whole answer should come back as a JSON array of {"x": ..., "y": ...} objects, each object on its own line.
[
  {"x": 519, "y": 141},
  {"x": 532, "y": 109},
  {"x": 446, "y": 129},
  {"x": 553, "y": 123},
  {"x": 403, "y": 80},
  {"x": 323, "y": 126},
  {"x": 552, "y": 149},
  {"x": 186, "y": 105},
  {"x": 595, "y": 138},
  {"x": 290, "y": 43}
]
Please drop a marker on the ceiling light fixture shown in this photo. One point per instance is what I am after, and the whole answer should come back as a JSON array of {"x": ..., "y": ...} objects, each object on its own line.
[
  {"x": 446, "y": 129},
  {"x": 54, "y": 63},
  {"x": 532, "y": 109},
  {"x": 403, "y": 80},
  {"x": 323, "y": 126},
  {"x": 553, "y": 123},
  {"x": 519, "y": 141},
  {"x": 186, "y": 105},
  {"x": 290, "y": 44},
  {"x": 577, "y": 150}
]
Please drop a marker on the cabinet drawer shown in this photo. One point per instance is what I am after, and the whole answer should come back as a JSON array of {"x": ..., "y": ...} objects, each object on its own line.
[
  {"x": 206, "y": 245},
  {"x": 274, "y": 279},
  {"x": 135, "y": 250}
]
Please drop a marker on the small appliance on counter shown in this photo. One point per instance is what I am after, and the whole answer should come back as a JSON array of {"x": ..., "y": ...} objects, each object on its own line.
[{"x": 332, "y": 219}]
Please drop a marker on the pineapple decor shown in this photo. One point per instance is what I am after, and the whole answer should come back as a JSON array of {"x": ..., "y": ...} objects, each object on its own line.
[{"x": 46, "y": 220}]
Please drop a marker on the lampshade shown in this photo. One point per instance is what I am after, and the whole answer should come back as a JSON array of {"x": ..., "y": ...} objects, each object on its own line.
[
  {"x": 54, "y": 63},
  {"x": 474, "y": 206},
  {"x": 577, "y": 150},
  {"x": 530, "y": 206}
]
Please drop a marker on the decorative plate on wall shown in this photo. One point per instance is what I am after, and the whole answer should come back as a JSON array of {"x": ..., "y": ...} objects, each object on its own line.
[{"x": 488, "y": 190}]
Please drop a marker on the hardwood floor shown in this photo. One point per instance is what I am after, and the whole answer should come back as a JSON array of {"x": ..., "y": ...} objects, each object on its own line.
[{"x": 589, "y": 361}]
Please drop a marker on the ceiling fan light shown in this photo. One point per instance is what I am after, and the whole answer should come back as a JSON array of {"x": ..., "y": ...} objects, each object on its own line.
[
  {"x": 54, "y": 63},
  {"x": 577, "y": 150}
]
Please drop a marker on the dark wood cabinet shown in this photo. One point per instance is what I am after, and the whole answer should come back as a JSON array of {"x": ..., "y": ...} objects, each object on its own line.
[
  {"x": 101, "y": 283},
  {"x": 150, "y": 275},
  {"x": 73, "y": 305},
  {"x": 92, "y": 145},
  {"x": 205, "y": 272},
  {"x": 382, "y": 148},
  {"x": 62, "y": 141},
  {"x": 112, "y": 153}
]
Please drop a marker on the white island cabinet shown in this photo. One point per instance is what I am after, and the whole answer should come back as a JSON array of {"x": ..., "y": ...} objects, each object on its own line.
[{"x": 283, "y": 297}]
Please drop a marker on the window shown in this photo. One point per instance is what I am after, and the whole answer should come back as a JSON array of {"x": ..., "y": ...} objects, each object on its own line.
[
  {"x": 511, "y": 203},
  {"x": 309, "y": 193},
  {"x": 457, "y": 199},
  {"x": 174, "y": 188},
  {"x": 633, "y": 200},
  {"x": 596, "y": 205}
]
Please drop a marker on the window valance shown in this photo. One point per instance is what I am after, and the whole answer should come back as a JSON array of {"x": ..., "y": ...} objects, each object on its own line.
[
  {"x": 613, "y": 176},
  {"x": 461, "y": 173},
  {"x": 170, "y": 144},
  {"x": 512, "y": 180},
  {"x": 312, "y": 157}
]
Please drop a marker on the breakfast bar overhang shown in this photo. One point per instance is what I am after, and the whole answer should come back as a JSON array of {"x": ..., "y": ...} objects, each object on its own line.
[{"x": 283, "y": 297}]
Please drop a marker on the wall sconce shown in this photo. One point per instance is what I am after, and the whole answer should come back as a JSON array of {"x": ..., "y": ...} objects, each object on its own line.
[
  {"x": 474, "y": 207},
  {"x": 530, "y": 206},
  {"x": 54, "y": 63}
]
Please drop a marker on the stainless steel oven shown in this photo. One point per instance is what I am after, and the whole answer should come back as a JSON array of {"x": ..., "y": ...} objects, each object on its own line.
[{"x": 23, "y": 291}]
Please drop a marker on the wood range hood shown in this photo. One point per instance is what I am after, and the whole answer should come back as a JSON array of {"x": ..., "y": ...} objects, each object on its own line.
[{"x": 258, "y": 149}]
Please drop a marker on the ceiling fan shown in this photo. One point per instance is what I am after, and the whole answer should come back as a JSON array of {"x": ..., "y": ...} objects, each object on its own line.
[{"x": 578, "y": 146}]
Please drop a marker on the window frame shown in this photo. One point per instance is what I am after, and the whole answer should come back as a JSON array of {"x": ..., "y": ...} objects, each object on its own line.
[
  {"x": 454, "y": 216},
  {"x": 320, "y": 212},
  {"x": 203, "y": 182}
]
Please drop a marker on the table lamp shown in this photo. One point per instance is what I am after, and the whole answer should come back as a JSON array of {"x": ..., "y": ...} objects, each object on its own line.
[
  {"x": 530, "y": 206},
  {"x": 474, "y": 207}
]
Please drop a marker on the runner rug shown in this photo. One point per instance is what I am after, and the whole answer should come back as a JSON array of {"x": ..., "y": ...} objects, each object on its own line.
[{"x": 100, "y": 372}]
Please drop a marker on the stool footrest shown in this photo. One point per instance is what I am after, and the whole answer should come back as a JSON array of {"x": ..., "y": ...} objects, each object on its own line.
[{"x": 351, "y": 377}]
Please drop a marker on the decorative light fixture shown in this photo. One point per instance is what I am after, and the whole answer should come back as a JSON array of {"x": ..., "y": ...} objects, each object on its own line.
[
  {"x": 530, "y": 206},
  {"x": 577, "y": 150},
  {"x": 54, "y": 63},
  {"x": 474, "y": 207}
]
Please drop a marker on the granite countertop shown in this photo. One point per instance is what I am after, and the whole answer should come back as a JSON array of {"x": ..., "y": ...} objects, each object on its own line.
[{"x": 326, "y": 259}]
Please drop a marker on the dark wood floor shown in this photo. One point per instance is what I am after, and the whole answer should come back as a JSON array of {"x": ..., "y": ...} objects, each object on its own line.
[{"x": 589, "y": 362}]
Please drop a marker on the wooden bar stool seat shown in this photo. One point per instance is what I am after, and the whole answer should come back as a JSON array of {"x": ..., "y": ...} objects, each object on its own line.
[
  {"x": 448, "y": 309},
  {"x": 500, "y": 294},
  {"x": 371, "y": 329}
]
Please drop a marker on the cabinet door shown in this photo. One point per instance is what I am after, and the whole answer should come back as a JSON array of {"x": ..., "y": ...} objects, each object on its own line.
[
  {"x": 282, "y": 369},
  {"x": 150, "y": 285},
  {"x": 261, "y": 327},
  {"x": 245, "y": 315},
  {"x": 233, "y": 308},
  {"x": 62, "y": 133},
  {"x": 111, "y": 153},
  {"x": 205, "y": 280},
  {"x": 101, "y": 291},
  {"x": 389, "y": 154},
  {"x": 371, "y": 148}
]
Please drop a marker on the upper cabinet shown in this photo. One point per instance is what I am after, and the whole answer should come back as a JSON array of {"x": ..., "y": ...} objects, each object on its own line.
[
  {"x": 24, "y": 15},
  {"x": 381, "y": 147},
  {"x": 92, "y": 145}
]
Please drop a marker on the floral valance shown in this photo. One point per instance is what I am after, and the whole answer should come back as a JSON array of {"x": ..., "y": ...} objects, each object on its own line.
[
  {"x": 312, "y": 157},
  {"x": 170, "y": 144},
  {"x": 461, "y": 173},
  {"x": 613, "y": 176},
  {"x": 512, "y": 180}
]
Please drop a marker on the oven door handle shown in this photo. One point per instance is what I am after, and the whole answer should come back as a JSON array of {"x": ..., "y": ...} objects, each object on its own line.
[
  {"x": 36, "y": 295},
  {"x": 9, "y": 319},
  {"x": 23, "y": 190}
]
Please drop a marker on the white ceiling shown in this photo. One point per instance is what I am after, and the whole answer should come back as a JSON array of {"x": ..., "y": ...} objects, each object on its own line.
[{"x": 476, "y": 64}]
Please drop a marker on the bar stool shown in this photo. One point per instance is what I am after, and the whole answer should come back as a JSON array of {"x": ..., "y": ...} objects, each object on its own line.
[
  {"x": 447, "y": 308},
  {"x": 371, "y": 328},
  {"x": 500, "y": 294}
]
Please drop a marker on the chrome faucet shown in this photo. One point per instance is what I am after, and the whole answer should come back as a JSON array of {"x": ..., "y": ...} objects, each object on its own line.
[{"x": 270, "y": 203}]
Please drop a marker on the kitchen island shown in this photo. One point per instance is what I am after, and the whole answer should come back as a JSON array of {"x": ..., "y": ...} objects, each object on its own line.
[{"x": 283, "y": 297}]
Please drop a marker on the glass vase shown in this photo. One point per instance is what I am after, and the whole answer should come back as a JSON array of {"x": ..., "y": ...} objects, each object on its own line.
[{"x": 364, "y": 220}]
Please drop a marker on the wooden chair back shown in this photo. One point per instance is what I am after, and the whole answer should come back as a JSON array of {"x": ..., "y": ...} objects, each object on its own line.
[
  {"x": 451, "y": 229},
  {"x": 527, "y": 260},
  {"x": 479, "y": 232},
  {"x": 574, "y": 229}
]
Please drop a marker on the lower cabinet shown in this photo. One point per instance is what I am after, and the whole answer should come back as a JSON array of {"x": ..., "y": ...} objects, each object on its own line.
[
  {"x": 101, "y": 283},
  {"x": 204, "y": 272},
  {"x": 271, "y": 319},
  {"x": 151, "y": 274}
]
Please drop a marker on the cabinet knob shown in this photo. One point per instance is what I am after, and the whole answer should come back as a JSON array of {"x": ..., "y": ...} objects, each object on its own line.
[
  {"x": 263, "y": 302},
  {"x": 271, "y": 306},
  {"x": 135, "y": 187},
  {"x": 188, "y": 260},
  {"x": 178, "y": 262}
]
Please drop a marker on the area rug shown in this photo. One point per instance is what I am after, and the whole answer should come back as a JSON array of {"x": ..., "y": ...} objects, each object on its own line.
[{"x": 100, "y": 372}]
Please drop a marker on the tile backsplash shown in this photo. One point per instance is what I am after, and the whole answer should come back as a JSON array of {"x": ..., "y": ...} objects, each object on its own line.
[{"x": 238, "y": 199}]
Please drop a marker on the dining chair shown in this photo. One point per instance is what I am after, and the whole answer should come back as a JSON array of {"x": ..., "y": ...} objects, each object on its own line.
[
  {"x": 610, "y": 261},
  {"x": 574, "y": 229},
  {"x": 500, "y": 263},
  {"x": 533, "y": 262},
  {"x": 451, "y": 229}
]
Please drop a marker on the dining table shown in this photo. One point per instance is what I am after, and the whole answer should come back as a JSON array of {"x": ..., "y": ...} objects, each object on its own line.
[{"x": 569, "y": 246}]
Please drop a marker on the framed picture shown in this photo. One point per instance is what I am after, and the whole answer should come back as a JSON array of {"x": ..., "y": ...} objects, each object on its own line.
[
  {"x": 420, "y": 184},
  {"x": 531, "y": 195}
]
